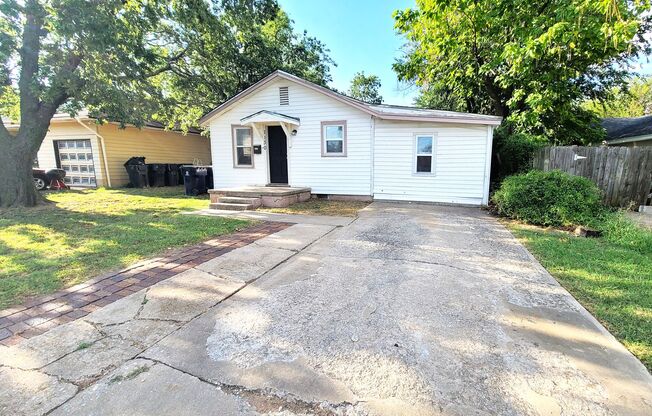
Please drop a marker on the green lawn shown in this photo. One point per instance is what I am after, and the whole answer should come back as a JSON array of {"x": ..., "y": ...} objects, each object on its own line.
[
  {"x": 84, "y": 233},
  {"x": 321, "y": 207},
  {"x": 611, "y": 276}
]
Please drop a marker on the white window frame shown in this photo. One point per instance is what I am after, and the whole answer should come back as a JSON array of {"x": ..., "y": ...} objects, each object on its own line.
[
  {"x": 432, "y": 154},
  {"x": 324, "y": 148},
  {"x": 234, "y": 140}
]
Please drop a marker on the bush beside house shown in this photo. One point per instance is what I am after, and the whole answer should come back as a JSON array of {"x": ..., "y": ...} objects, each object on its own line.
[{"x": 550, "y": 198}]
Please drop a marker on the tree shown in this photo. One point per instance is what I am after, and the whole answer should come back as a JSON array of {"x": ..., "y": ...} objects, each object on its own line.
[
  {"x": 365, "y": 88},
  {"x": 633, "y": 101},
  {"x": 102, "y": 53},
  {"x": 132, "y": 61},
  {"x": 232, "y": 47},
  {"x": 533, "y": 63}
]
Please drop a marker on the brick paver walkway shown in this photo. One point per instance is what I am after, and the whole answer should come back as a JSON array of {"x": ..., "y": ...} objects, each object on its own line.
[{"x": 41, "y": 314}]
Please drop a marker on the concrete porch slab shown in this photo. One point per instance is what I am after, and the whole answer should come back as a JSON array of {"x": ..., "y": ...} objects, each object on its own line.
[{"x": 259, "y": 191}]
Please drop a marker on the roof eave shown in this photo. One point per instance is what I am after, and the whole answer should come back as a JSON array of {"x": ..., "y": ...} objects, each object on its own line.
[
  {"x": 493, "y": 121},
  {"x": 630, "y": 139},
  {"x": 203, "y": 122}
]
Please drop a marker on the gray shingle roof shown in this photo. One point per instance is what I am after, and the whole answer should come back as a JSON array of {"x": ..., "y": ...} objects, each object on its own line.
[{"x": 620, "y": 128}]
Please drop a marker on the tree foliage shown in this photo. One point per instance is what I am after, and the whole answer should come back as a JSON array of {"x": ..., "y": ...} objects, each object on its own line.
[
  {"x": 634, "y": 100},
  {"x": 133, "y": 61},
  {"x": 233, "y": 45},
  {"x": 533, "y": 62},
  {"x": 365, "y": 88}
]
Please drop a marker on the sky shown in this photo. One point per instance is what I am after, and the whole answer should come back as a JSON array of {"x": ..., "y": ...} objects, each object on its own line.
[{"x": 360, "y": 35}]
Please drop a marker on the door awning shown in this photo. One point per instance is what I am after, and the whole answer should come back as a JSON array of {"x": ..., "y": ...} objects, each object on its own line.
[{"x": 269, "y": 117}]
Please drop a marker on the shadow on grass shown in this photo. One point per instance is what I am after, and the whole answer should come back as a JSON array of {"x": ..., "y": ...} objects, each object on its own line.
[
  {"x": 46, "y": 248},
  {"x": 612, "y": 279}
]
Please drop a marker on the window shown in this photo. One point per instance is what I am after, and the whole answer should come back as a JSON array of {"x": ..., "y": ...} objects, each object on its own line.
[
  {"x": 333, "y": 138},
  {"x": 424, "y": 153},
  {"x": 243, "y": 147}
]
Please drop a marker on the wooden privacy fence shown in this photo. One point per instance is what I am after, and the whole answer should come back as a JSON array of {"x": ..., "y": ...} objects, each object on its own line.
[{"x": 623, "y": 173}]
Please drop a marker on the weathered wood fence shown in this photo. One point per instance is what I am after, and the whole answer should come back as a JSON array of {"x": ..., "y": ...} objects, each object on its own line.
[{"x": 623, "y": 173}]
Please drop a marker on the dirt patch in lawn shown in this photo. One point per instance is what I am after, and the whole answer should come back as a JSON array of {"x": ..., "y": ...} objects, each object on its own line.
[{"x": 321, "y": 207}]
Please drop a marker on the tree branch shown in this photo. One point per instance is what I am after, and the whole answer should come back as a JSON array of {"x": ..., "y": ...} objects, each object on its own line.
[{"x": 168, "y": 64}]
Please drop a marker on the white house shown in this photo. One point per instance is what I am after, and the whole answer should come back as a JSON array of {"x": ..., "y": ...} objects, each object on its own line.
[{"x": 286, "y": 130}]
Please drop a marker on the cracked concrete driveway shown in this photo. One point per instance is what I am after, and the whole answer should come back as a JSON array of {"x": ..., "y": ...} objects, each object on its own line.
[{"x": 409, "y": 310}]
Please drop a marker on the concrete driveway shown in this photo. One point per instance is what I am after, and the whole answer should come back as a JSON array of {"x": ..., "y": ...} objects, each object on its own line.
[{"x": 409, "y": 310}]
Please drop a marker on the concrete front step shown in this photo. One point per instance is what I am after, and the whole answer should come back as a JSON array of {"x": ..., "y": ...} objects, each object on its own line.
[
  {"x": 255, "y": 202},
  {"x": 231, "y": 207}
]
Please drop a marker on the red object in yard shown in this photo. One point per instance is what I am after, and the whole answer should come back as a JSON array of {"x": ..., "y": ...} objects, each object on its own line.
[
  {"x": 58, "y": 184},
  {"x": 56, "y": 179}
]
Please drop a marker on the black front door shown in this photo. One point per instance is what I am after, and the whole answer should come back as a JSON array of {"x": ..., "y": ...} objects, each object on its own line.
[{"x": 278, "y": 155}]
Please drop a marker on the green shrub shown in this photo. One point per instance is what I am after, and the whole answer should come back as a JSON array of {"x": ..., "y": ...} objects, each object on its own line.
[
  {"x": 549, "y": 198},
  {"x": 512, "y": 153}
]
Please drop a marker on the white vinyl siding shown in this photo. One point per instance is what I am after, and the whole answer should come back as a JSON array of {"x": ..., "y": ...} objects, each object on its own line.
[
  {"x": 349, "y": 175},
  {"x": 459, "y": 162}
]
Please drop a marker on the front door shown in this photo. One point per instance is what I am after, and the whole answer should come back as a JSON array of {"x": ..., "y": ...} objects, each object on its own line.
[{"x": 278, "y": 155}]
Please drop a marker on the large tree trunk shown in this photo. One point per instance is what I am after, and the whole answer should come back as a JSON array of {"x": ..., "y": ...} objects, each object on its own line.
[{"x": 16, "y": 183}]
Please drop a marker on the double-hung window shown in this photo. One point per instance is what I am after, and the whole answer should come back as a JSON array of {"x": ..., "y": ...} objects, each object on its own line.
[
  {"x": 424, "y": 153},
  {"x": 333, "y": 138},
  {"x": 243, "y": 147}
]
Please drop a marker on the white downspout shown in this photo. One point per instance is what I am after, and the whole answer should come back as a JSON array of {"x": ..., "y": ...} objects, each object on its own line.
[
  {"x": 372, "y": 155},
  {"x": 487, "y": 165},
  {"x": 101, "y": 141}
]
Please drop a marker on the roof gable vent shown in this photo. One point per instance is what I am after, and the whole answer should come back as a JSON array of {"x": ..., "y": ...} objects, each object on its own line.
[{"x": 284, "y": 96}]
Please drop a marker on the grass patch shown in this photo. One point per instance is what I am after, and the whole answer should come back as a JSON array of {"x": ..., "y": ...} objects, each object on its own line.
[
  {"x": 321, "y": 207},
  {"x": 131, "y": 375},
  {"x": 84, "y": 233},
  {"x": 610, "y": 276},
  {"x": 83, "y": 345}
]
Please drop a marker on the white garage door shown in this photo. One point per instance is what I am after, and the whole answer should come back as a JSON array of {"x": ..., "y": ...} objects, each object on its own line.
[{"x": 76, "y": 158}]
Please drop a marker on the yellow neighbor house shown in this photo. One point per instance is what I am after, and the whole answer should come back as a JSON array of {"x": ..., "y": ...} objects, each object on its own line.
[{"x": 93, "y": 155}]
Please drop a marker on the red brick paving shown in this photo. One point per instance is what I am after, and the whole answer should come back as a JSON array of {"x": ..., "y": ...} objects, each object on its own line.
[{"x": 41, "y": 314}]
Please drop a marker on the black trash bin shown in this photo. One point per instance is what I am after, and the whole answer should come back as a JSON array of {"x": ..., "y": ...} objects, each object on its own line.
[
  {"x": 209, "y": 177},
  {"x": 181, "y": 165},
  {"x": 172, "y": 174},
  {"x": 156, "y": 173},
  {"x": 194, "y": 179},
  {"x": 137, "y": 171}
]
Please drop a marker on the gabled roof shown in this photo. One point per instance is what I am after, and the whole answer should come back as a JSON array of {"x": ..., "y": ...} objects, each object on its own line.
[
  {"x": 621, "y": 129},
  {"x": 388, "y": 112},
  {"x": 267, "y": 116}
]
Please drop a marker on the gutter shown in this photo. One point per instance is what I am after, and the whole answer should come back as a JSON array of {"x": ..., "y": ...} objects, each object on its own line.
[
  {"x": 630, "y": 139},
  {"x": 102, "y": 147}
]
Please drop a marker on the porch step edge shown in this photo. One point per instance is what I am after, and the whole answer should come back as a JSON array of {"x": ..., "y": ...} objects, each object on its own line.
[
  {"x": 256, "y": 202},
  {"x": 231, "y": 206}
]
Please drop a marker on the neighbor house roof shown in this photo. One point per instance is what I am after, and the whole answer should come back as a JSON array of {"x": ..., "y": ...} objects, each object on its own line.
[
  {"x": 382, "y": 111},
  {"x": 622, "y": 130},
  {"x": 83, "y": 115}
]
